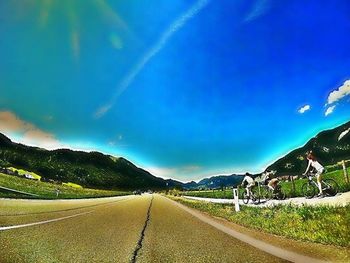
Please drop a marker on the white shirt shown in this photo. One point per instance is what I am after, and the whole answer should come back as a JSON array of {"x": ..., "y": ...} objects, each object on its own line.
[
  {"x": 316, "y": 165},
  {"x": 248, "y": 179}
]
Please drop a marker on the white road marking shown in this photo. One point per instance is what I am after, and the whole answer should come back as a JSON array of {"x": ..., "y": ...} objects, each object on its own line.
[
  {"x": 271, "y": 249},
  {"x": 3, "y": 228}
]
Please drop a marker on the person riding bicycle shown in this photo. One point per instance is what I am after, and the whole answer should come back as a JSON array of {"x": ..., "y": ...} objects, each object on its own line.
[
  {"x": 248, "y": 182},
  {"x": 272, "y": 184},
  {"x": 267, "y": 179},
  {"x": 314, "y": 164}
]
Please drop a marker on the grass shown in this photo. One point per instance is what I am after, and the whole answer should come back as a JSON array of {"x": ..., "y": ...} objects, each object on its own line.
[
  {"x": 48, "y": 190},
  {"x": 23, "y": 172},
  {"x": 321, "y": 224},
  {"x": 72, "y": 185},
  {"x": 337, "y": 175}
]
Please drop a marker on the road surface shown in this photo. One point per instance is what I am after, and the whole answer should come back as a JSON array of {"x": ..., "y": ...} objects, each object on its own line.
[{"x": 147, "y": 228}]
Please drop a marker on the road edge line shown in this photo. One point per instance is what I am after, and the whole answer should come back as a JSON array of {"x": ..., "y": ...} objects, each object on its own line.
[{"x": 261, "y": 245}]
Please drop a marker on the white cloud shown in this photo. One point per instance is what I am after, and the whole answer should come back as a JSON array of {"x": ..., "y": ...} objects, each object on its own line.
[
  {"x": 304, "y": 109},
  {"x": 339, "y": 93},
  {"x": 162, "y": 41},
  {"x": 260, "y": 7},
  {"x": 26, "y": 133},
  {"x": 329, "y": 110}
]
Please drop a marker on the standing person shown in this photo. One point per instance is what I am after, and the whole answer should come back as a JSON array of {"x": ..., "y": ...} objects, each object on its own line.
[
  {"x": 57, "y": 192},
  {"x": 313, "y": 163},
  {"x": 248, "y": 182}
]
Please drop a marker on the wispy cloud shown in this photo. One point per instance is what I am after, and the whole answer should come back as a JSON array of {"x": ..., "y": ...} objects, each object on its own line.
[
  {"x": 26, "y": 132},
  {"x": 103, "y": 110},
  {"x": 304, "y": 109},
  {"x": 48, "y": 118},
  {"x": 116, "y": 141},
  {"x": 168, "y": 172},
  {"x": 260, "y": 7},
  {"x": 329, "y": 110},
  {"x": 162, "y": 41},
  {"x": 161, "y": 171}
]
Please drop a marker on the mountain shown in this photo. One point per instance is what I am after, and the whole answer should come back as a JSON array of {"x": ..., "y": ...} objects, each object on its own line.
[
  {"x": 214, "y": 182},
  {"x": 97, "y": 170},
  {"x": 89, "y": 169},
  {"x": 220, "y": 181},
  {"x": 190, "y": 185},
  {"x": 170, "y": 183},
  {"x": 329, "y": 147}
]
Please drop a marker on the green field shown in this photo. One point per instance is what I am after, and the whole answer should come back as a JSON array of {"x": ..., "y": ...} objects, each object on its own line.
[
  {"x": 48, "y": 190},
  {"x": 286, "y": 187},
  {"x": 321, "y": 224}
]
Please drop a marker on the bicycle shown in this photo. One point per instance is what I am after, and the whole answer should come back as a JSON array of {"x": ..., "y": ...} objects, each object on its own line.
[
  {"x": 277, "y": 193},
  {"x": 251, "y": 195},
  {"x": 329, "y": 186}
]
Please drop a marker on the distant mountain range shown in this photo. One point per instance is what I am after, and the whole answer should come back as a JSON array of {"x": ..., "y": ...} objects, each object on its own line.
[
  {"x": 94, "y": 169},
  {"x": 89, "y": 169},
  {"x": 97, "y": 170},
  {"x": 214, "y": 182}
]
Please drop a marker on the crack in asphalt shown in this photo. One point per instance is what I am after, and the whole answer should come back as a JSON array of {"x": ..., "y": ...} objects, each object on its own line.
[{"x": 142, "y": 236}]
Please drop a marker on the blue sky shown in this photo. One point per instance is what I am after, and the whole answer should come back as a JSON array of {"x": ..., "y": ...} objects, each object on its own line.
[{"x": 185, "y": 89}]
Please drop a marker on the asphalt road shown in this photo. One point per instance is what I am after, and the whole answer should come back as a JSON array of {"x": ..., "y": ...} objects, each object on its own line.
[{"x": 147, "y": 228}]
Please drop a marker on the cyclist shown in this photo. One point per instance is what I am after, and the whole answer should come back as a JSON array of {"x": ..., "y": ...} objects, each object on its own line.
[
  {"x": 267, "y": 179},
  {"x": 248, "y": 182},
  {"x": 273, "y": 184},
  {"x": 314, "y": 164}
]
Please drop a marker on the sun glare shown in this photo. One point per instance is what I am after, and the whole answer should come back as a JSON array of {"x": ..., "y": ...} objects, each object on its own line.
[{"x": 73, "y": 12}]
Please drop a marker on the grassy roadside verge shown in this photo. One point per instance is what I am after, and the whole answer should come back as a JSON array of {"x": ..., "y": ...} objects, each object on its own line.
[
  {"x": 48, "y": 190},
  {"x": 337, "y": 175},
  {"x": 321, "y": 224}
]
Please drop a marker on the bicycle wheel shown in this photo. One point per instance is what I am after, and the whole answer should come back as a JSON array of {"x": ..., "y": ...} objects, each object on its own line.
[
  {"x": 245, "y": 198},
  {"x": 256, "y": 197},
  {"x": 330, "y": 187},
  {"x": 308, "y": 190},
  {"x": 281, "y": 195},
  {"x": 266, "y": 193}
]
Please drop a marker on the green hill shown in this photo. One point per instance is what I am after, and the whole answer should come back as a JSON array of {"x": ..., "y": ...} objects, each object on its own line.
[
  {"x": 89, "y": 169},
  {"x": 326, "y": 146}
]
